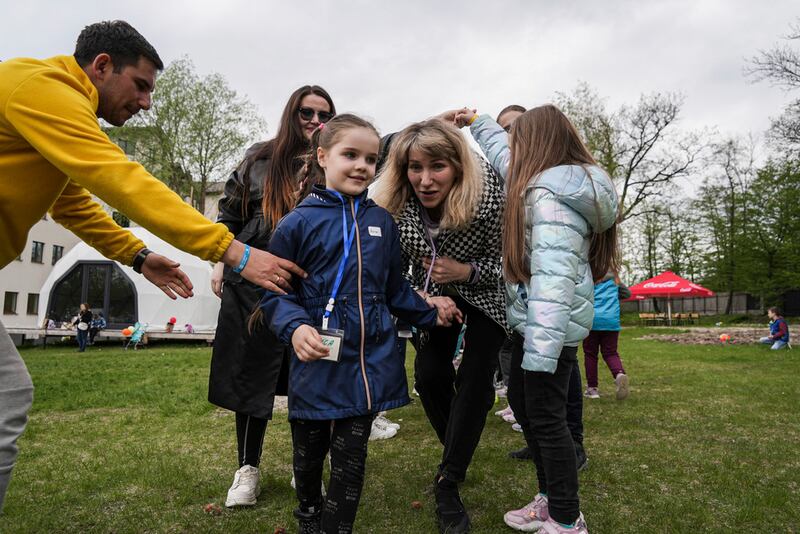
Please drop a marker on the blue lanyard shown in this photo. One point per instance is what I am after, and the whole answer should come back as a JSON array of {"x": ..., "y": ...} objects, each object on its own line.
[{"x": 347, "y": 240}]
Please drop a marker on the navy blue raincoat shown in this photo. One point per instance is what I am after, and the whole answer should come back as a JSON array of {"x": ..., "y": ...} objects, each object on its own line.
[{"x": 370, "y": 375}]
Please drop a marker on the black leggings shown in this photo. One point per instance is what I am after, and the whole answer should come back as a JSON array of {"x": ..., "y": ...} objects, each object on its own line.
[
  {"x": 456, "y": 402},
  {"x": 346, "y": 439},
  {"x": 250, "y": 438},
  {"x": 516, "y": 393}
]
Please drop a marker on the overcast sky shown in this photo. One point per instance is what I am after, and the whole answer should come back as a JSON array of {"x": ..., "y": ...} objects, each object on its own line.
[{"x": 396, "y": 62}]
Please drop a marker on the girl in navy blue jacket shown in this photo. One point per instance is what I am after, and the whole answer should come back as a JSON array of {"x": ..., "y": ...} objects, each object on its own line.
[{"x": 345, "y": 366}]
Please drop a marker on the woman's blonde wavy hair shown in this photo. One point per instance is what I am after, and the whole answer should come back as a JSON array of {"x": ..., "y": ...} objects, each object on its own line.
[{"x": 436, "y": 139}]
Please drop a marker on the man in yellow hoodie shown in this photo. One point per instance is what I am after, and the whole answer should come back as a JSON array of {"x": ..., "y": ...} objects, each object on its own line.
[{"x": 54, "y": 156}]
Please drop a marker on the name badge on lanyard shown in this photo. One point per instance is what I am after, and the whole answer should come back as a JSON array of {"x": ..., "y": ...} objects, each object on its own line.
[{"x": 333, "y": 338}]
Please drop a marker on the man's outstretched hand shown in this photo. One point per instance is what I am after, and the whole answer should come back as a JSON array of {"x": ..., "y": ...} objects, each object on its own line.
[{"x": 164, "y": 273}]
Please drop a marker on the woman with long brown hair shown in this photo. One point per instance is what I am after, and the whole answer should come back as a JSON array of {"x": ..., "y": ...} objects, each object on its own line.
[
  {"x": 448, "y": 205},
  {"x": 249, "y": 365},
  {"x": 559, "y": 236}
]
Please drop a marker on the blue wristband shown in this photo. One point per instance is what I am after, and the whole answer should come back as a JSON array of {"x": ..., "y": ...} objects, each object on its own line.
[{"x": 242, "y": 263}]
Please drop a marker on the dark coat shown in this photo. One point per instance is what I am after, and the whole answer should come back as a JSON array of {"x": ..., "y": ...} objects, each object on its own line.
[
  {"x": 370, "y": 375},
  {"x": 247, "y": 369}
]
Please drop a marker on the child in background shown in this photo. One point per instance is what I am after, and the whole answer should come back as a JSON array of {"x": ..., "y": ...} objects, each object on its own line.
[
  {"x": 345, "y": 367},
  {"x": 778, "y": 330},
  {"x": 559, "y": 236},
  {"x": 605, "y": 336}
]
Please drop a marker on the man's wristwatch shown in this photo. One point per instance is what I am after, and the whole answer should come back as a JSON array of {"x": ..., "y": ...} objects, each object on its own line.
[{"x": 138, "y": 260}]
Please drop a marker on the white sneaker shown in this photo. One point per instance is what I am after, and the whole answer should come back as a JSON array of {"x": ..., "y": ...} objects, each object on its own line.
[
  {"x": 385, "y": 421},
  {"x": 381, "y": 431},
  {"x": 245, "y": 488}
]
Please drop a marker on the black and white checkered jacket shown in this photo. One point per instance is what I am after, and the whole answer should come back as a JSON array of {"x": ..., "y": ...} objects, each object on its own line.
[{"x": 479, "y": 243}]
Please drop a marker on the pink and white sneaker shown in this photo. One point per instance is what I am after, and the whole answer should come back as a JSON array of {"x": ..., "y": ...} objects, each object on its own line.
[
  {"x": 529, "y": 518},
  {"x": 505, "y": 411},
  {"x": 551, "y": 527}
]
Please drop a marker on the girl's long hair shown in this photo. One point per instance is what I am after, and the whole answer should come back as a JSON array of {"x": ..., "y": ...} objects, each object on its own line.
[
  {"x": 283, "y": 152},
  {"x": 436, "y": 139},
  {"x": 542, "y": 138}
]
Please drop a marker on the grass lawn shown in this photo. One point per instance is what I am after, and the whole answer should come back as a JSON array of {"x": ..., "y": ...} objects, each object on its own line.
[{"x": 709, "y": 441}]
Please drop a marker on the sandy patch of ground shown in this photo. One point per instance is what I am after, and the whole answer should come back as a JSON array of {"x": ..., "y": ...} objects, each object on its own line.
[{"x": 740, "y": 335}]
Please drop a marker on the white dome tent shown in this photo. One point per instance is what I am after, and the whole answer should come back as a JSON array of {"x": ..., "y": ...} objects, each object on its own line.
[{"x": 151, "y": 305}]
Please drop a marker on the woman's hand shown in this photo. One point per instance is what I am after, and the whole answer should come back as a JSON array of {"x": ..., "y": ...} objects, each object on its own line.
[
  {"x": 307, "y": 344},
  {"x": 446, "y": 270},
  {"x": 452, "y": 116},
  {"x": 164, "y": 273},
  {"x": 216, "y": 279},
  {"x": 264, "y": 269},
  {"x": 464, "y": 117},
  {"x": 446, "y": 309}
]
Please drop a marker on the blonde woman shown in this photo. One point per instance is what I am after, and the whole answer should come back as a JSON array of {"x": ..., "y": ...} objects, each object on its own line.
[{"x": 448, "y": 205}]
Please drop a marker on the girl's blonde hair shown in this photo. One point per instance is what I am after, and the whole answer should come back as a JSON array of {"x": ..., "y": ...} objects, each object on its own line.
[
  {"x": 542, "y": 138},
  {"x": 436, "y": 139}
]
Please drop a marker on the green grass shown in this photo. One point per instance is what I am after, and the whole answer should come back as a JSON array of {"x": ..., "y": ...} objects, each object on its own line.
[{"x": 126, "y": 442}]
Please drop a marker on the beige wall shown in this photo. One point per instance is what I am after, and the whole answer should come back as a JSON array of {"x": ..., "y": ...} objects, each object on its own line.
[{"x": 25, "y": 277}]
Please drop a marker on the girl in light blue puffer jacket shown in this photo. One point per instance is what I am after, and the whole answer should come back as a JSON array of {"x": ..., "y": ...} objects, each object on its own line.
[{"x": 559, "y": 236}]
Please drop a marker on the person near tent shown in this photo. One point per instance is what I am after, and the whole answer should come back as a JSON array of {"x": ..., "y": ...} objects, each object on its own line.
[
  {"x": 778, "y": 330},
  {"x": 82, "y": 324},
  {"x": 98, "y": 323},
  {"x": 54, "y": 156},
  {"x": 604, "y": 336}
]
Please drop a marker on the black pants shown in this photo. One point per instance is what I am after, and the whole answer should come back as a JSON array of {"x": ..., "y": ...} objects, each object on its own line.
[
  {"x": 346, "y": 439},
  {"x": 250, "y": 438},
  {"x": 516, "y": 393},
  {"x": 456, "y": 402},
  {"x": 549, "y": 438}
]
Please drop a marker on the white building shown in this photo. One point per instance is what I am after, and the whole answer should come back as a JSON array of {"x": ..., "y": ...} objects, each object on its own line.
[{"x": 21, "y": 281}]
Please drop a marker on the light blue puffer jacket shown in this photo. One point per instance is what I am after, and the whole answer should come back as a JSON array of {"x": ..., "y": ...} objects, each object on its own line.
[{"x": 564, "y": 205}]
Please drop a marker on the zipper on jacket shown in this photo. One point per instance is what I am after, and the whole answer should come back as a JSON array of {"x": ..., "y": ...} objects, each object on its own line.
[{"x": 361, "y": 309}]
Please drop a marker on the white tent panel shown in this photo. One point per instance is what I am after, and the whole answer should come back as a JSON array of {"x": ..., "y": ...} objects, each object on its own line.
[{"x": 154, "y": 307}]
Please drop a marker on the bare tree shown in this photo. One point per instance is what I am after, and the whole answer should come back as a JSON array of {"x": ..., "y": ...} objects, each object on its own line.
[
  {"x": 639, "y": 146},
  {"x": 781, "y": 66}
]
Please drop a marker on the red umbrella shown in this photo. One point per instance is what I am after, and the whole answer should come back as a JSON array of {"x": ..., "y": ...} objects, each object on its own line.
[{"x": 668, "y": 285}]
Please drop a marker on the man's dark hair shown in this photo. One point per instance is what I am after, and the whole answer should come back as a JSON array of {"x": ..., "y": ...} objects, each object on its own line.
[
  {"x": 512, "y": 107},
  {"x": 775, "y": 310},
  {"x": 119, "y": 40}
]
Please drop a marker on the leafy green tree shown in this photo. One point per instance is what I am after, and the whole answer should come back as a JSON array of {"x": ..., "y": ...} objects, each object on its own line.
[{"x": 194, "y": 133}]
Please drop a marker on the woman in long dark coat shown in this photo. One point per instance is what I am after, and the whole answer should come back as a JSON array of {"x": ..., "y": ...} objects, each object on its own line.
[{"x": 249, "y": 365}]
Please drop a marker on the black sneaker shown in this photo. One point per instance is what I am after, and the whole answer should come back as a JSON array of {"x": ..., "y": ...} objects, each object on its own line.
[
  {"x": 450, "y": 513},
  {"x": 308, "y": 522},
  {"x": 522, "y": 454},
  {"x": 582, "y": 459}
]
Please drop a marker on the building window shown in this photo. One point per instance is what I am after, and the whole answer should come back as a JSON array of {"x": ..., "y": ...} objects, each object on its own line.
[
  {"x": 33, "y": 303},
  {"x": 58, "y": 251},
  {"x": 10, "y": 303},
  {"x": 121, "y": 219},
  {"x": 37, "y": 252}
]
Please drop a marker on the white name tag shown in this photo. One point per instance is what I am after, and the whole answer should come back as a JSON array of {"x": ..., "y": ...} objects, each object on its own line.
[
  {"x": 332, "y": 339},
  {"x": 375, "y": 231}
]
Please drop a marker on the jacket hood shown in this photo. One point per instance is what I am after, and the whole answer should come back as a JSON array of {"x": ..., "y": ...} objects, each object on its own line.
[{"x": 592, "y": 193}]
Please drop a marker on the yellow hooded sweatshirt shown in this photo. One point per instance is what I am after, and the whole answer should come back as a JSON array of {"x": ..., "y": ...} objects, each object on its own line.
[{"x": 53, "y": 153}]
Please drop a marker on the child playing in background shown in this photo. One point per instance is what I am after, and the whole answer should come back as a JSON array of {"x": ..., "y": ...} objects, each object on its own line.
[
  {"x": 778, "y": 330},
  {"x": 605, "y": 336}
]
